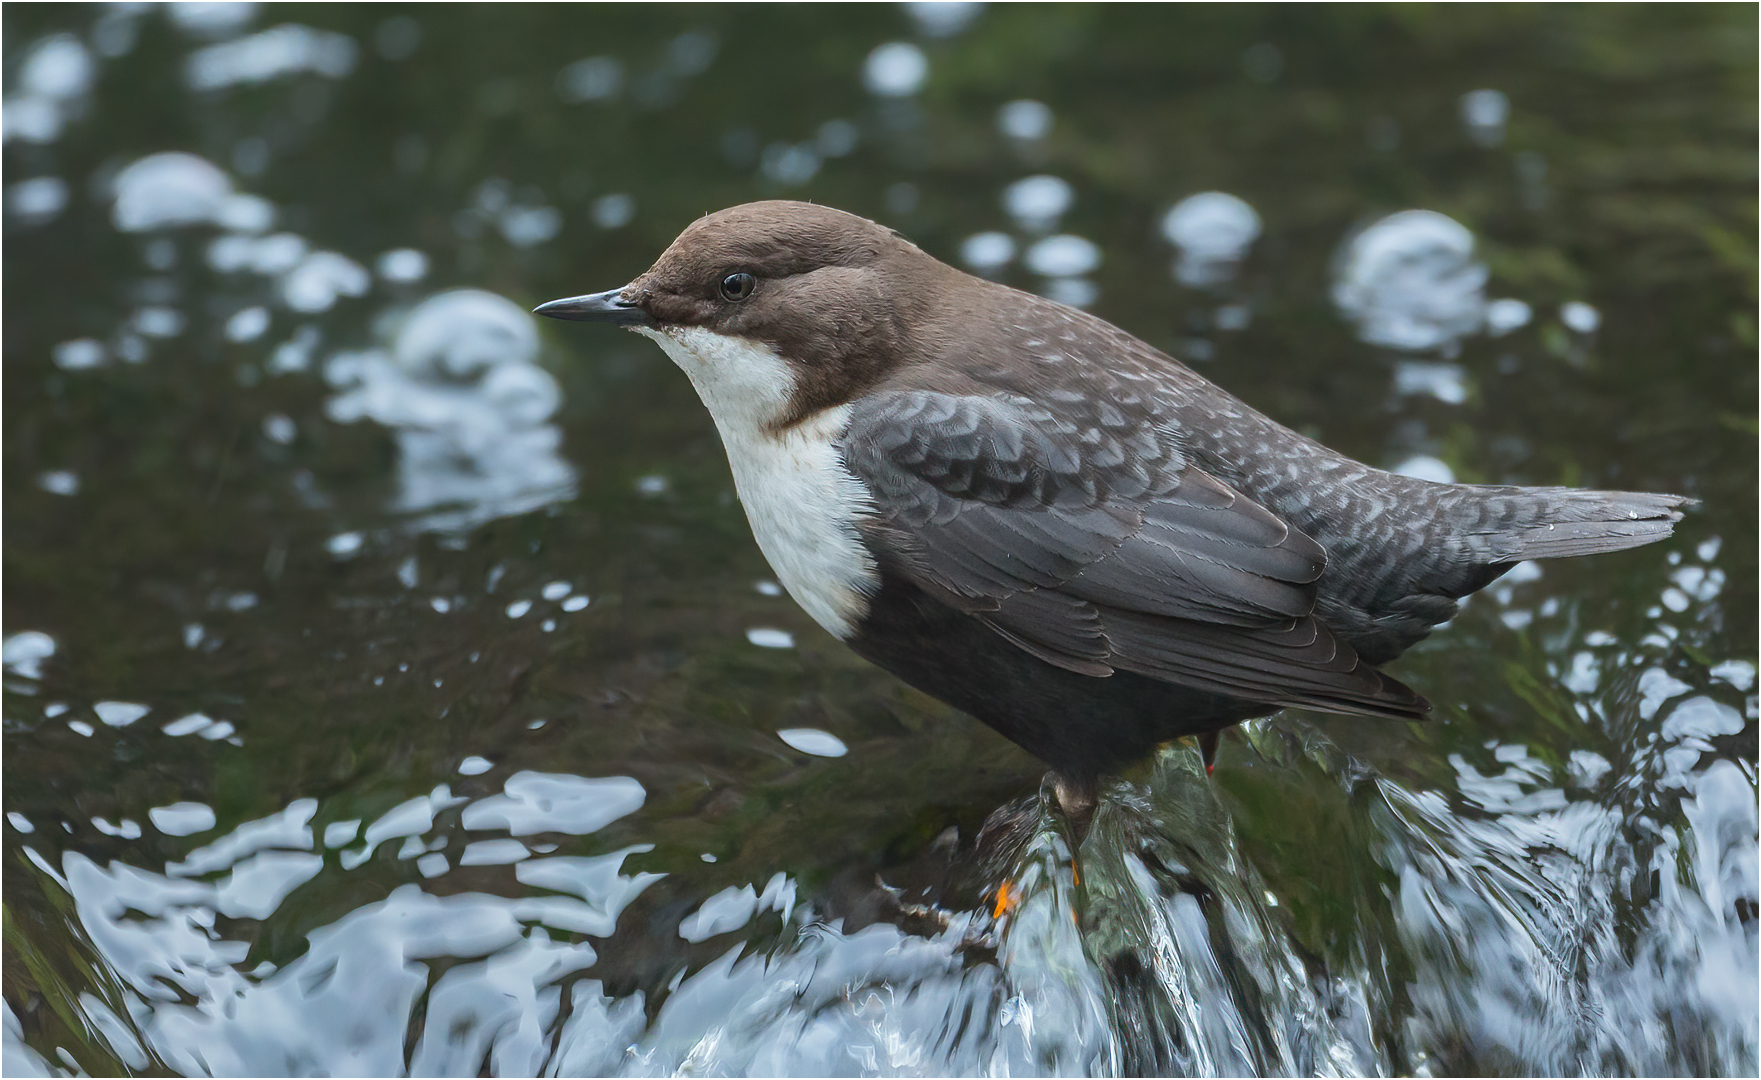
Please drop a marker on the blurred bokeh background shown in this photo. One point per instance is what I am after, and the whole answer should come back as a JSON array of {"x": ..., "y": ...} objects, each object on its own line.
[{"x": 392, "y": 683}]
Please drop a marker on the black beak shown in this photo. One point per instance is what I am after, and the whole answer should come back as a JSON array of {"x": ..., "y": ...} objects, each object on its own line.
[{"x": 606, "y": 307}]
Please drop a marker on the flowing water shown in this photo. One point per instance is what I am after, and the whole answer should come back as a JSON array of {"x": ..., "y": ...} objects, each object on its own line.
[{"x": 392, "y": 684}]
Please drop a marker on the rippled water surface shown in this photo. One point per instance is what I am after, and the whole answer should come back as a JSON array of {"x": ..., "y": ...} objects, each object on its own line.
[{"x": 392, "y": 684}]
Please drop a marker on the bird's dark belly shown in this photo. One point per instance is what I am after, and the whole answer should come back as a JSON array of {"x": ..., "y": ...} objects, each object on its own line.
[{"x": 1080, "y": 725}]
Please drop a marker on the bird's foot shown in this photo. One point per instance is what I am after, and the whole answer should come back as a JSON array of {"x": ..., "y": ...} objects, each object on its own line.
[{"x": 1007, "y": 897}]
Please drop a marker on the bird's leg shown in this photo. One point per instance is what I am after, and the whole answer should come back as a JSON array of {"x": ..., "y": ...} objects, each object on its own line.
[{"x": 1077, "y": 796}]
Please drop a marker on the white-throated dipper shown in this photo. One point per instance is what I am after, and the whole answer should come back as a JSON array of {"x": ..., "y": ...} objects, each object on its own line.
[{"x": 1039, "y": 519}]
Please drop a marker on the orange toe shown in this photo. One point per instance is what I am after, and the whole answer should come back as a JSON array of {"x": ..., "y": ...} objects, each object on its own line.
[{"x": 1006, "y": 900}]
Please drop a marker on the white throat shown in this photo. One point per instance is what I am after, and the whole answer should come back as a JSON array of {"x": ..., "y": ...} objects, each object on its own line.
[{"x": 800, "y": 499}]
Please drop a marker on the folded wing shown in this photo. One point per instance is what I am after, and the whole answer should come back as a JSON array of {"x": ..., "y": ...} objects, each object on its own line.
[{"x": 1089, "y": 542}]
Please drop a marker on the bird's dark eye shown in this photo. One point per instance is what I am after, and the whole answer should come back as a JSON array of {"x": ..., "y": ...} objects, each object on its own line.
[{"x": 737, "y": 287}]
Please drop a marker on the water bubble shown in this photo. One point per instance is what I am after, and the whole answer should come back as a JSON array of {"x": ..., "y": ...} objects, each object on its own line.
[
  {"x": 1212, "y": 231},
  {"x": 273, "y": 54},
  {"x": 518, "y": 608},
  {"x": 722, "y": 913},
  {"x": 465, "y": 332},
  {"x": 1503, "y": 316},
  {"x": 33, "y": 119},
  {"x": 23, "y": 653},
  {"x": 1485, "y": 112},
  {"x": 766, "y": 638},
  {"x": 1447, "y": 382},
  {"x": 493, "y": 853},
  {"x": 58, "y": 68},
  {"x": 943, "y": 18},
  {"x": 1655, "y": 687},
  {"x": 896, "y": 69},
  {"x": 188, "y": 725},
  {"x": 613, "y": 211},
  {"x": 212, "y": 19},
  {"x": 37, "y": 200},
  {"x": 1072, "y": 291},
  {"x": 987, "y": 252},
  {"x": 158, "y": 322},
  {"x": 79, "y": 354},
  {"x": 1410, "y": 281},
  {"x": 1063, "y": 256},
  {"x": 1037, "y": 202},
  {"x": 117, "y": 29},
  {"x": 248, "y": 324},
  {"x": 474, "y": 766},
  {"x": 170, "y": 189},
  {"x": 1523, "y": 572},
  {"x": 127, "y": 829},
  {"x": 1025, "y": 119},
  {"x": 59, "y": 482},
  {"x": 120, "y": 713},
  {"x": 403, "y": 265},
  {"x": 814, "y": 741},
  {"x": 246, "y": 213},
  {"x": 1426, "y": 467},
  {"x": 526, "y": 226},
  {"x": 556, "y": 802},
  {"x": 1738, "y": 673},
  {"x": 182, "y": 818},
  {"x": 320, "y": 279},
  {"x": 1580, "y": 317},
  {"x": 268, "y": 255},
  {"x": 280, "y": 428},
  {"x": 295, "y": 354}
]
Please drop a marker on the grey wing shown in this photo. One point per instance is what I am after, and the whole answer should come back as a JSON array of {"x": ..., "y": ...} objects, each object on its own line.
[{"x": 1089, "y": 542}]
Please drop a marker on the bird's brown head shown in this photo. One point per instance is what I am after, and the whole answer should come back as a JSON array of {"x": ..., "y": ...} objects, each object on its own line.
[{"x": 833, "y": 295}]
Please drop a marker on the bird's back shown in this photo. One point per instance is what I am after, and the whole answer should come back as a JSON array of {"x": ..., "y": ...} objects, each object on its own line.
[{"x": 1400, "y": 551}]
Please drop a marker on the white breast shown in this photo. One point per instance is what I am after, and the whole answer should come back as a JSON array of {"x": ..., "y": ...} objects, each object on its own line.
[{"x": 801, "y": 500}]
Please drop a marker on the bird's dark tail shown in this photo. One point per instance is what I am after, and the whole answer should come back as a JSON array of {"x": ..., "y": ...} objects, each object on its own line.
[
  {"x": 1456, "y": 539},
  {"x": 1513, "y": 524}
]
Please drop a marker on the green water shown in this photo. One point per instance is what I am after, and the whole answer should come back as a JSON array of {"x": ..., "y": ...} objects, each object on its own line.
[{"x": 242, "y": 487}]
